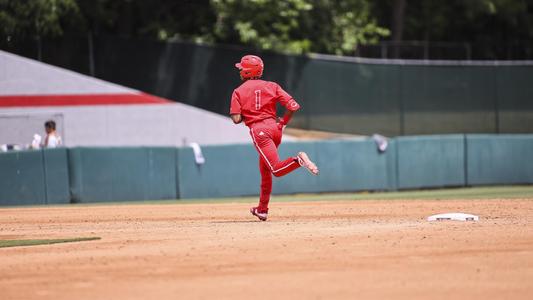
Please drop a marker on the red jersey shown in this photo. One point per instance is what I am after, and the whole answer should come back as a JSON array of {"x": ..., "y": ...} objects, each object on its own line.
[{"x": 256, "y": 100}]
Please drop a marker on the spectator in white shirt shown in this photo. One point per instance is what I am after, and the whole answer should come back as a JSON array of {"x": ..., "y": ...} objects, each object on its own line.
[{"x": 52, "y": 139}]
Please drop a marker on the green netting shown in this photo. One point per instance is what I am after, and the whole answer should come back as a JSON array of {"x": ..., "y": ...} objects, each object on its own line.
[
  {"x": 340, "y": 95},
  {"x": 514, "y": 90}
]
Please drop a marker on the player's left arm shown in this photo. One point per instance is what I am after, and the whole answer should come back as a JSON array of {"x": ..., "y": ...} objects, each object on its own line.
[
  {"x": 290, "y": 104},
  {"x": 282, "y": 122},
  {"x": 236, "y": 118}
]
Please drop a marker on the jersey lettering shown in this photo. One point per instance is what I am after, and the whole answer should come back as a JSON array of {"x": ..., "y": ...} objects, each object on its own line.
[{"x": 257, "y": 99}]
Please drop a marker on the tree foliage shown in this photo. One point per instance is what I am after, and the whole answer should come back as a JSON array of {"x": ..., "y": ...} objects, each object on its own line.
[
  {"x": 161, "y": 19},
  {"x": 494, "y": 29},
  {"x": 37, "y": 17},
  {"x": 297, "y": 26},
  {"x": 463, "y": 21},
  {"x": 292, "y": 26}
]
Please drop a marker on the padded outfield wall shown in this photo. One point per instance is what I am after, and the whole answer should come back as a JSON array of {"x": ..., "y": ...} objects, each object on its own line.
[
  {"x": 83, "y": 174},
  {"x": 338, "y": 94},
  {"x": 34, "y": 177}
]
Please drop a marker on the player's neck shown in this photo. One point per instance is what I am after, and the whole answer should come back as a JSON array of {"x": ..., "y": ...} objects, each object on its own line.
[{"x": 247, "y": 79}]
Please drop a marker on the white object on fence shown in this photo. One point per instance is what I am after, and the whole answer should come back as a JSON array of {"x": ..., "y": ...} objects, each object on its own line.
[{"x": 198, "y": 156}]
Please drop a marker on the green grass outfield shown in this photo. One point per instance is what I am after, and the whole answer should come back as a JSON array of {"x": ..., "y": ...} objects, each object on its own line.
[
  {"x": 20, "y": 243},
  {"x": 492, "y": 192},
  {"x": 488, "y": 192}
]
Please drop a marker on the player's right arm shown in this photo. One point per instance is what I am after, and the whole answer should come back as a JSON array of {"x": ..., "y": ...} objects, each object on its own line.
[{"x": 235, "y": 108}]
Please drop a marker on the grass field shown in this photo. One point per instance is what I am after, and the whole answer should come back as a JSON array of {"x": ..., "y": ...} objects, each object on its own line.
[
  {"x": 20, "y": 243},
  {"x": 325, "y": 246},
  {"x": 489, "y": 192}
]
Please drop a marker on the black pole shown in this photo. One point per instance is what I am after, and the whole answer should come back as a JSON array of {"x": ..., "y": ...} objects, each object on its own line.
[
  {"x": 39, "y": 49},
  {"x": 91, "y": 53}
]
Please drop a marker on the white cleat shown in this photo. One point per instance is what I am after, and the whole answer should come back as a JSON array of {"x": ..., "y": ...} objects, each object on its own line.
[
  {"x": 305, "y": 162},
  {"x": 260, "y": 216}
]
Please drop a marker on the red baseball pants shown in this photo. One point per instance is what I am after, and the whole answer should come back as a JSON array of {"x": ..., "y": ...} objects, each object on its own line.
[{"x": 266, "y": 137}]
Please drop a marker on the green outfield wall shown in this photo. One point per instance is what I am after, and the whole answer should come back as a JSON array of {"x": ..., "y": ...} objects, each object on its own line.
[
  {"x": 84, "y": 175},
  {"x": 502, "y": 159},
  {"x": 233, "y": 170},
  {"x": 122, "y": 174},
  {"x": 56, "y": 176},
  {"x": 228, "y": 170},
  {"x": 345, "y": 165},
  {"x": 430, "y": 161},
  {"x": 34, "y": 177}
]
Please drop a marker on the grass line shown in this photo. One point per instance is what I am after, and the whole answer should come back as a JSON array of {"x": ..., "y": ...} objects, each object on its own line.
[
  {"x": 480, "y": 192},
  {"x": 493, "y": 192},
  {"x": 487, "y": 192},
  {"x": 20, "y": 243}
]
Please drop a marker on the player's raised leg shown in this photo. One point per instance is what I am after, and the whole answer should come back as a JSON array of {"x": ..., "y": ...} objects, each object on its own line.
[
  {"x": 269, "y": 153},
  {"x": 306, "y": 162}
]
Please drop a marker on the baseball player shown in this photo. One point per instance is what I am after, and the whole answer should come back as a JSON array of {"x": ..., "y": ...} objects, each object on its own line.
[{"x": 254, "y": 102}]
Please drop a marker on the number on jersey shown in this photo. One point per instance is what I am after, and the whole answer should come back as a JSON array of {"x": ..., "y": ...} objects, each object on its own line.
[{"x": 257, "y": 99}]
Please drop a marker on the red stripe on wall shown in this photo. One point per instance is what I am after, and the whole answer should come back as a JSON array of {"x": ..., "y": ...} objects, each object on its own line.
[{"x": 67, "y": 100}]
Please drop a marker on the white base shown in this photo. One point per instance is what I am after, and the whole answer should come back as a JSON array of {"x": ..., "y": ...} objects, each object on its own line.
[{"x": 453, "y": 217}]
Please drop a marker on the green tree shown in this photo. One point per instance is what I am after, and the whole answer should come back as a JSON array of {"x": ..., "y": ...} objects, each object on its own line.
[
  {"x": 159, "y": 19},
  {"x": 297, "y": 26},
  {"x": 492, "y": 27},
  {"x": 291, "y": 26},
  {"x": 29, "y": 18}
]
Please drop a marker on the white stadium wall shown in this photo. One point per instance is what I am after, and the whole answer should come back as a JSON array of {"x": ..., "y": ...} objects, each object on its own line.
[
  {"x": 92, "y": 112},
  {"x": 121, "y": 125}
]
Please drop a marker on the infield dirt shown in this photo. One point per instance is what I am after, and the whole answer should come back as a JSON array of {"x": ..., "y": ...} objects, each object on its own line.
[{"x": 381, "y": 249}]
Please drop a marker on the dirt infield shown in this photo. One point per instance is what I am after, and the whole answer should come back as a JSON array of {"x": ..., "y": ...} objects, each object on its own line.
[{"x": 316, "y": 250}]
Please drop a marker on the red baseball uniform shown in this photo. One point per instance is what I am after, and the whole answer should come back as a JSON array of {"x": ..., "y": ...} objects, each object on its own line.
[{"x": 255, "y": 100}]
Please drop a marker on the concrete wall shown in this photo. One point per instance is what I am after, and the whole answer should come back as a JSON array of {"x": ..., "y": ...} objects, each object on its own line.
[
  {"x": 165, "y": 124},
  {"x": 122, "y": 125},
  {"x": 23, "y": 76}
]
